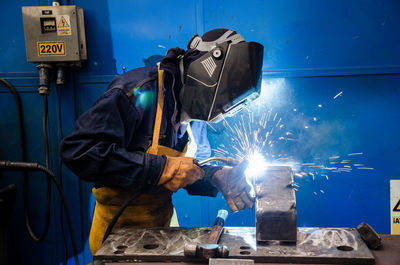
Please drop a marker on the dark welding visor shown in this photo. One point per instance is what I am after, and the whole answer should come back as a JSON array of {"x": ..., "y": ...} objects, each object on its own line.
[
  {"x": 223, "y": 80},
  {"x": 240, "y": 79}
]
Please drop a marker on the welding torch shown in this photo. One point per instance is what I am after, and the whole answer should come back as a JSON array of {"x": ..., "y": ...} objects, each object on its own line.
[{"x": 226, "y": 160}]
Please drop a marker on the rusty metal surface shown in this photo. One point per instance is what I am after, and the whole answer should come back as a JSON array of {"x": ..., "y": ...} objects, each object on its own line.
[
  {"x": 276, "y": 214},
  {"x": 314, "y": 245}
]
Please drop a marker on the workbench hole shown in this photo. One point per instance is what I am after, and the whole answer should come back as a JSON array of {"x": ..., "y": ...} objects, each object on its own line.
[
  {"x": 150, "y": 246},
  {"x": 119, "y": 251},
  {"x": 122, "y": 247},
  {"x": 345, "y": 248},
  {"x": 244, "y": 247},
  {"x": 244, "y": 252}
]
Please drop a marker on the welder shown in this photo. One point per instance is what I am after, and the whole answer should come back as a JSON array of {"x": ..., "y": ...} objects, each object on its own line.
[{"x": 142, "y": 134}]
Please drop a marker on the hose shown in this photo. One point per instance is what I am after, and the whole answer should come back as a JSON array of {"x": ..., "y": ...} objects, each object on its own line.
[
  {"x": 118, "y": 214},
  {"x": 16, "y": 166},
  {"x": 24, "y": 159},
  {"x": 60, "y": 173},
  {"x": 40, "y": 238},
  {"x": 19, "y": 116}
]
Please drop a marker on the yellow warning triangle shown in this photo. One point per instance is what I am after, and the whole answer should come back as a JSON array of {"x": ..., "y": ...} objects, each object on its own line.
[
  {"x": 396, "y": 208},
  {"x": 63, "y": 23}
]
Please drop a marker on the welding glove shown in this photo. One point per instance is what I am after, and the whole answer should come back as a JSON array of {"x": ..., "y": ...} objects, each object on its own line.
[
  {"x": 231, "y": 181},
  {"x": 179, "y": 172}
]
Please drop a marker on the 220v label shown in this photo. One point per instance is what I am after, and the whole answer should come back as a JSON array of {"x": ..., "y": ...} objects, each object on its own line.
[{"x": 51, "y": 48}]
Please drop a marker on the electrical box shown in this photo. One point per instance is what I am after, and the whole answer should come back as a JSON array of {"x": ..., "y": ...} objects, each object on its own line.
[{"x": 54, "y": 34}]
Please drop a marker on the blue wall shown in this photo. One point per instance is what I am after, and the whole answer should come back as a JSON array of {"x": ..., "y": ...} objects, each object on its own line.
[{"x": 314, "y": 50}]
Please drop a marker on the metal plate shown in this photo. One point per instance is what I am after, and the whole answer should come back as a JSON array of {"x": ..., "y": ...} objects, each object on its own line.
[
  {"x": 314, "y": 245},
  {"x": 231, "y": 262},
  {"x": 276, "y": 214}
]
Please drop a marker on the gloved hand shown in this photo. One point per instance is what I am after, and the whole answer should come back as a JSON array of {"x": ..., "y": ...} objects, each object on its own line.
[
  {"x": 179, "y": 172},
  {"x": 233, "y": 185}
]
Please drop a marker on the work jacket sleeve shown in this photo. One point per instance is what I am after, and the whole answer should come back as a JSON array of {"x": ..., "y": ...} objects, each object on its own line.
[{"x": 98, "y": 148}]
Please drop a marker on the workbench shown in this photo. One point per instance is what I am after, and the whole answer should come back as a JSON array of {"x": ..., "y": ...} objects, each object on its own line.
[{"x": 152, "y": 246}]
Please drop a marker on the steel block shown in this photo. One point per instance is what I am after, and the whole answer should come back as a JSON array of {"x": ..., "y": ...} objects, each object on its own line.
[{"x": 276, "y": 213}]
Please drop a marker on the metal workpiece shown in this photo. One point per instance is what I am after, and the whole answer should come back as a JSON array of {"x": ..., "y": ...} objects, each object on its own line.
[
  {"x": 276, "y": 214},
  {"x": 314, "y": 245},
  {"x": 370, "y": 237}
]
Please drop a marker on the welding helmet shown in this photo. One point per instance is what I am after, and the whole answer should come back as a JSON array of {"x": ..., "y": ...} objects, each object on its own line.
[{"x": 223, "y": 79}]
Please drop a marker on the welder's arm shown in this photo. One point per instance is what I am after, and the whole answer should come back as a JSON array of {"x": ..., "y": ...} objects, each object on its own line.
[
  {"x": 232, "y": 183},
  {"x": 96, "y": 150}
]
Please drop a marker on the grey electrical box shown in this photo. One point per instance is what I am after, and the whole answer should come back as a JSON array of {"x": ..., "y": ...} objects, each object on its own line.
[{"x": 54, "y": 34}]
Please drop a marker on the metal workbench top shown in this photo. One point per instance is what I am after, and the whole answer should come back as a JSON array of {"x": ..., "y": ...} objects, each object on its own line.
[{"x": 314, "y": 245}]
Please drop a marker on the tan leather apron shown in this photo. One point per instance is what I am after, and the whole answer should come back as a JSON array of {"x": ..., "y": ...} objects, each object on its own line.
[{"x": 149, "y": 209}]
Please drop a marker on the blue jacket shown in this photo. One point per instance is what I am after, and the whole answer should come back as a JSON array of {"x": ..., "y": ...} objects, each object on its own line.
[{"x": 109, "y": 142}]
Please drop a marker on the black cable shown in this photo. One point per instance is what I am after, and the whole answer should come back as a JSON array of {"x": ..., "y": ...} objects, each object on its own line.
[
  {"x": 118, "y": 214},
  {"x": 24, "y": 159},
  {"x": 11, "y": 165},
  {"x": 80, "y": 184},
  {"x": 20, "y": 118},
  {"x": 60, "y": 173},
  {"x": 59, "y": 87},
  {"x": 44, "y": 128},
  {"x": 48, "y": 183}
]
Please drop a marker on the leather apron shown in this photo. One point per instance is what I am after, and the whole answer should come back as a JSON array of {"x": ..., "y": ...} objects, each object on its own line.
[{"x": 150, "y": 209}]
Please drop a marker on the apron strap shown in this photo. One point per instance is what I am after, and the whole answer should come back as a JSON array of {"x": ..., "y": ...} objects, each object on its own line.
[{"x": 160, "y": 105}]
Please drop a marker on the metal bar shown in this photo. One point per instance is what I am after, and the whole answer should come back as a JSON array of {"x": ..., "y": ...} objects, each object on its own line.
[{"x": 276, "y": 213}]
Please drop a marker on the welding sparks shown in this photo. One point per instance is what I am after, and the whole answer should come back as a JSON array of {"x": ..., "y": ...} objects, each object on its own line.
[
  {"x": 366, "y": 168},
  {"x": 354, "y": 154},
  {"x": 338, "y": 95},
  {"x": 260, "y": 136}
]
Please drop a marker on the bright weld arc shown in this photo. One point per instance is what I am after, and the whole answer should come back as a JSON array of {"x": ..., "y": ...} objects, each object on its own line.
[{"x": 257, "y": 165}]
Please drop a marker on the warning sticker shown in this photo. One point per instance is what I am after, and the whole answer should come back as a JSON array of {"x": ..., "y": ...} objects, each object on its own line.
[
  {"x": 63, "y": 25},
  {"x": 51, "y": 48},
  {"x": 395, "y": 206}
]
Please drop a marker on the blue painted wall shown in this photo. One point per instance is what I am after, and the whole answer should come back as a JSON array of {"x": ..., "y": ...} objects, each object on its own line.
[{"x": 314, "y": 50}]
